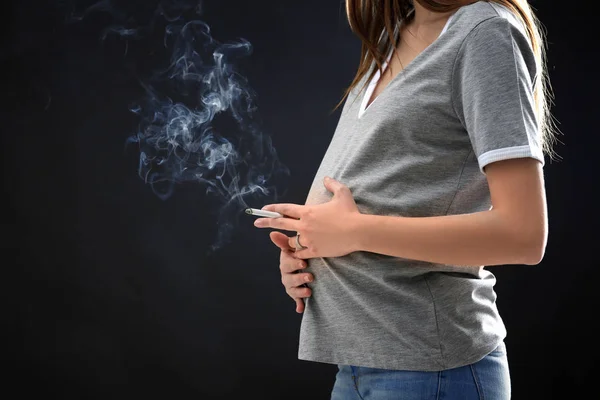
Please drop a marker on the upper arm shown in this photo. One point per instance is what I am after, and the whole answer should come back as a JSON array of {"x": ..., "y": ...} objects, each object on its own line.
[
  {"x": 517, "y": 190},
  {"x": 493, "y": 94}
]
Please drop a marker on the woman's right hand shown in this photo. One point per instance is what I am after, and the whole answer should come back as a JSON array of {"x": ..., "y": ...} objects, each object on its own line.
[{"x": 290, "y": 266}]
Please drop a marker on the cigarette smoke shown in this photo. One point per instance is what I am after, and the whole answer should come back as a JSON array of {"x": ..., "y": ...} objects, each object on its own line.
[{"x": 178, "y": 140}]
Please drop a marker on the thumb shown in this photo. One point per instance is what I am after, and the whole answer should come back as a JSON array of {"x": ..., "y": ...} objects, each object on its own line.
[
  {"x": 281, "y": 240},
  {"x": 332, "y": 185}
]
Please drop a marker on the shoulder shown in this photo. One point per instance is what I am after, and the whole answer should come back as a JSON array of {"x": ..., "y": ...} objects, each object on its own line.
[
  {"x": 493, "y": 32},
  {"x": 488, "y": 19}
]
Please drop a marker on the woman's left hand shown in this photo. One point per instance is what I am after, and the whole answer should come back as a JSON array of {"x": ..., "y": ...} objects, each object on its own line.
[{"x": 326, "y": 230}]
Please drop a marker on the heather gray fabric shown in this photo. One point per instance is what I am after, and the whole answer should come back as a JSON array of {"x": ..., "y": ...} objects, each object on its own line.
[{"x": 419, "y": 150}]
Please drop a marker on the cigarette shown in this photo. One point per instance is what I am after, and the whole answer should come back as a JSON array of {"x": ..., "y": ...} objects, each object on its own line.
[{"x": 263, "y": 213}]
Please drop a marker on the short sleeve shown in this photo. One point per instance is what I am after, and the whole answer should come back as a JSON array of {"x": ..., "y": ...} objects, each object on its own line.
[{"x": 492, "y": 93}]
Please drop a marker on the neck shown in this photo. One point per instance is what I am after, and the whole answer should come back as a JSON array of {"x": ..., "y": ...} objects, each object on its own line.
[
  {"x": 426, "y": 19},
  {"x": 426, "y": 25}
]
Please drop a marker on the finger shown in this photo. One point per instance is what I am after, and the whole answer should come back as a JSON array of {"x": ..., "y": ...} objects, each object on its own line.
[
  {"x": 299, "y": 306},
  {"x": 302, "y": 279},
  {"x": 289, "y": 265},
  {"x": 286, "y": 224},
  {"x": 292, "y": 242},
  {"x": 296, "y": 280},
  {"x": 290, "y": 210},
  {"x": 281, "y": 240},
  {"x": 304, "y": 254},
  {"x": 299, "y": 293}
]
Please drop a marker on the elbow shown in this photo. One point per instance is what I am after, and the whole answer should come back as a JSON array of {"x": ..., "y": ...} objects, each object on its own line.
[
  {"x": 529, "y": 238},
  {"x": 536, "y": 248},
  {"x": 535, "y": 257}
]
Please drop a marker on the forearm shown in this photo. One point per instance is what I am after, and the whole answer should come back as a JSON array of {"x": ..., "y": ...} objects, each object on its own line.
[{"x": 482, "y": 238}]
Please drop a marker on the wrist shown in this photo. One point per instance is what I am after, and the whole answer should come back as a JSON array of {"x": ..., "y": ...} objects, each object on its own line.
[{"x": 357, "y": 230}]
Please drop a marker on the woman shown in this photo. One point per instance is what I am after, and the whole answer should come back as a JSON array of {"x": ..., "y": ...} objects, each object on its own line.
[{"x": 438, "y": 173}]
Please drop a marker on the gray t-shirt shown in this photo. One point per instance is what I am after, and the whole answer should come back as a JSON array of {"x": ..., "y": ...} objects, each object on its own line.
[{"x": 418, "y": 151}]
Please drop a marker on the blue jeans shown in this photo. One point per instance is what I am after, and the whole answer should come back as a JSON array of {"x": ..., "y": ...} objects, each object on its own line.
[{"x": 487, "y": 379}]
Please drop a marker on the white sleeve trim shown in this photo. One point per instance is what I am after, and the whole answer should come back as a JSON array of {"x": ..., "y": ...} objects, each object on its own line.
[{"x": 508, "y": 153}]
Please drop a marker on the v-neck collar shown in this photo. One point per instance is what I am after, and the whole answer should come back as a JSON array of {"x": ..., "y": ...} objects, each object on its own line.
[{"x": 375, "y": 80}]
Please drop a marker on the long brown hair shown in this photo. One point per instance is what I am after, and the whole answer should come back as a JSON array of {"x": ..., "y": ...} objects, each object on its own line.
[{"x": 368, "y": 18}]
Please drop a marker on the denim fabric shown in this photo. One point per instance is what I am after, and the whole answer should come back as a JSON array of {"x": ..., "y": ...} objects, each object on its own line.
[{"x": 487, "y": 379}]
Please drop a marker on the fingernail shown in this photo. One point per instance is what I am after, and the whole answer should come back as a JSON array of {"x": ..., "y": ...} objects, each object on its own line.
[{"x": 307, "y": 278}]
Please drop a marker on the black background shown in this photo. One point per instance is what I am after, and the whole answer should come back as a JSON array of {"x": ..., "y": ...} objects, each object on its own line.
[{"x": 110, "y": 291}]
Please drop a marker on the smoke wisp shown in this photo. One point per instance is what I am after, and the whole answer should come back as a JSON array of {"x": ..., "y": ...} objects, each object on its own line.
[{"x": 178, "y": 140}]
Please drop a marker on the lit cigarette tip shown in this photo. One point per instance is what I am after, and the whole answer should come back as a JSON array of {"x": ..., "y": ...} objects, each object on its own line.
[{"x": 248, "y": 211}]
